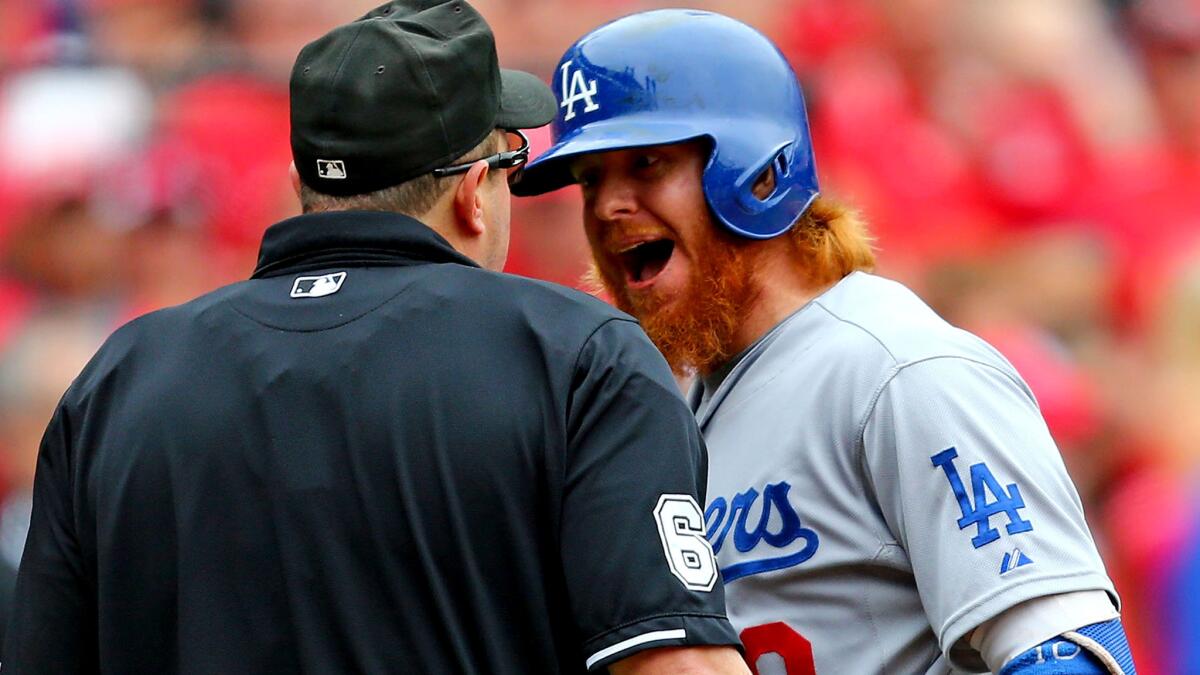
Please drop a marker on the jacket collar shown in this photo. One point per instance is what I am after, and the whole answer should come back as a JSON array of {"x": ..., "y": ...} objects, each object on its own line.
[{"x": 359, "y": 238}]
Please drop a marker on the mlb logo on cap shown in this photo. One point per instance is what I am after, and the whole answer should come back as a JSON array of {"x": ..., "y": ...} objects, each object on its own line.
[
  {"x": 316, "y": 287},
  {"x": 333, "y": 169}
]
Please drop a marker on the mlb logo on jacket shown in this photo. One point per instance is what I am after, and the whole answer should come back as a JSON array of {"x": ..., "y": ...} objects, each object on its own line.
[{"x": 319, "y": 286}]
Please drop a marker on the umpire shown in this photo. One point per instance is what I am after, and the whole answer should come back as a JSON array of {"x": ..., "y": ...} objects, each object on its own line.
[{"x": 378, "y": 454}]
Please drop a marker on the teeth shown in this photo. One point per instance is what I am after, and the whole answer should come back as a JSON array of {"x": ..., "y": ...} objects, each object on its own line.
[{"x": 629, "y": 247}]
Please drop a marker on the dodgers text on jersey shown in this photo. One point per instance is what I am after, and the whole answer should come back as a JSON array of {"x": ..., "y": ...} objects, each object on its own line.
[{"x": 778, "y": 539}]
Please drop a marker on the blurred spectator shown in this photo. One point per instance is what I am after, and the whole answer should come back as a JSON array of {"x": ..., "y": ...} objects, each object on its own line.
[
  {"x": 60, "y": 125},
  {"x": 160, "y": 202},
  {"x": 22, "y": 24},
  {"x": 1155, "y": 508},
  {"x": 1145, "y": 198},
  {"x": 1060, "y": 276},
  {"x": 233, "y": 129},
  {"x": 36, "y": 367},
  {"x": 1168, "y": 32},
  {"x": 271, "y": 32},
  {"x": 59, "y": 129},
  {"x": 63, "y": 250},
  {"x": 1067, "y": 46},
  {"x": 36, "y": 32},
  {"x": 163, "y": 41},
  {"x": 16, "y": 303},
  {"x": 1184, "y": 613},
  {"x": 546, "y": 241}
]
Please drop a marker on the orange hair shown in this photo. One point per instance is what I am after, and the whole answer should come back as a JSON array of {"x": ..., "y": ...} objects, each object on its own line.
[{"x": 833, "y": 241}]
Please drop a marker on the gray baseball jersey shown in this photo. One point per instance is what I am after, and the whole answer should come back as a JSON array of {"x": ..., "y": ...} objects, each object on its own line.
[{"x": 880, "y": 484}]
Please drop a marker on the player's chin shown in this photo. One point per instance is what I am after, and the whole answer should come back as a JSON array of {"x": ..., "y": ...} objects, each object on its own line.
[{"x": 661, "y": 303}]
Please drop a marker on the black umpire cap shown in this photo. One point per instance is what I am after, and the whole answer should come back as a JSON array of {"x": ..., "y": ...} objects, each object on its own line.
[{"x": 406, "y": 89}]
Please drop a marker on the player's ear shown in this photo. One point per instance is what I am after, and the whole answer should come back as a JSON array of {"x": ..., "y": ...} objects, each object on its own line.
[
  {"x": 764, "y": 186},
  {"x": 294, "y": 175},
  {"x": 468, "y": 200}
]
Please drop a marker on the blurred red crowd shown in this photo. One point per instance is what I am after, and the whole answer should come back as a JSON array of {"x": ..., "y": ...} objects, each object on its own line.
[{"x": 1030, "y": 167}]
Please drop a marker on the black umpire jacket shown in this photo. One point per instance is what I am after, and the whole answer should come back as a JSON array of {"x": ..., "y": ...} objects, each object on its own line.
[{"x": 371, "y": 457}]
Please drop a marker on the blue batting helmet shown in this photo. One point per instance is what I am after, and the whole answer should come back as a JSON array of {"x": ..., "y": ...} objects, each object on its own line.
[{"x": 672, "y": 75}]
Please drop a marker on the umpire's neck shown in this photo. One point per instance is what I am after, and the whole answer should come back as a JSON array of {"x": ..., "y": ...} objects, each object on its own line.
[{"x": 472, "y": 212}]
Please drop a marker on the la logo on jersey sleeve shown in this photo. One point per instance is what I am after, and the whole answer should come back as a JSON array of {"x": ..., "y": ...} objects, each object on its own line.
[{"x": 987, "y": 500}]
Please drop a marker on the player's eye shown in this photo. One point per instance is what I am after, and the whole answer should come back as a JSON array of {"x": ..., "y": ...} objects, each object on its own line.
[
  {"x": 644, "y": 160},
  {"x": 586, "y": 178}
]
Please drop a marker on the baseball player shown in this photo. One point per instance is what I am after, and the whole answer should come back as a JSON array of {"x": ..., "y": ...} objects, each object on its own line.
[
  {"x": 883, "y": 494},
  {"x": 378, "y": 454}
]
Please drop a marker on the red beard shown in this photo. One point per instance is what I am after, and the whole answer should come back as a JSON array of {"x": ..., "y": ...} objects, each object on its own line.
[{"x": 696, "y": 333}]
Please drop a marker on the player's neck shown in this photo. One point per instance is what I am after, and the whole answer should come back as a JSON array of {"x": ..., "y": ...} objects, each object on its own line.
[{"x": 782, "y": 288}]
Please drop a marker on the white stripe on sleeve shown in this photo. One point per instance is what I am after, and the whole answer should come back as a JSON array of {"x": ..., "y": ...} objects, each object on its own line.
[{"x": 653, "y": 636}]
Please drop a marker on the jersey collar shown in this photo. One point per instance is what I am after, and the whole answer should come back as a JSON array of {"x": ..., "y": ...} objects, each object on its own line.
[{"x": 351, "y": 238}]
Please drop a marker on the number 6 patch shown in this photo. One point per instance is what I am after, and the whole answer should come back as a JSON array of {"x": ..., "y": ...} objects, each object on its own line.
[{"x": 689, "y": 555}]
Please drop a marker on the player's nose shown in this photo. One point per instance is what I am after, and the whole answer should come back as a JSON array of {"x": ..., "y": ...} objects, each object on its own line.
[{"x": 613, "y": 198}]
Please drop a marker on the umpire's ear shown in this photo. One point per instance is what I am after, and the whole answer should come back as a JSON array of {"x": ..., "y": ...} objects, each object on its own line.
[
  {"x": 295, "y": 176},
  {"x": 469, "y": 200}
]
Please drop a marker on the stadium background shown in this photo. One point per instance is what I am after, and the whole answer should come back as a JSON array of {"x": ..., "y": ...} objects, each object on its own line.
[{"x": 1029, "y": 166}]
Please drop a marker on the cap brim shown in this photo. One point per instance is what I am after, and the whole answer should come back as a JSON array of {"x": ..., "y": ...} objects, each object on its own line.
[
  {"x": 525, "y": 101},
  {"x": 550, "y": 171}
]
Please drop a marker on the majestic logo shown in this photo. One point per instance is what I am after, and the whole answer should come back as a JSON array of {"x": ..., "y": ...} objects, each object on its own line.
[
  {"x": 980, "y": 512},
  {"x": 333, "y": 169},
  {"x": 574, "y": 89},
  {"x": 776, "y": 512},
  {"x": 1013, "y": 560},
  {"x": 318, "y": 287}
]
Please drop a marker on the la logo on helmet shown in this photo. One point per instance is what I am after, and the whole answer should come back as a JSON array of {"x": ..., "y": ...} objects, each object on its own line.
[{"x": 578, "y": 90}]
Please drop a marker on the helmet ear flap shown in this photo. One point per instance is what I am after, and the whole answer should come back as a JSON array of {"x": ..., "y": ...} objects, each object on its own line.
[
  {"x": 768, "y": 183},
  {"x": 773, "y": 168},
  {"x": 790, "y": 188},
  {"x": 783, "y": 161}
]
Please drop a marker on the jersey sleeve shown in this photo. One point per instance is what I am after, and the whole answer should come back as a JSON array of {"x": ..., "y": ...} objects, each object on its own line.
[
  {"x": 639, "y": 572},
  {"x": 52, "y": 621},
  {"x": 973, "y": 487}
]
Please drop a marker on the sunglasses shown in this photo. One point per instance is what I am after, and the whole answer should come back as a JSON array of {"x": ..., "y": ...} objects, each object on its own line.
[{"x": 509, "y": 159}]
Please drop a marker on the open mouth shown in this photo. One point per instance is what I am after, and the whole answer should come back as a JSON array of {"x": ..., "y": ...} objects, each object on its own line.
[{"x": 645, "y": 261}]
